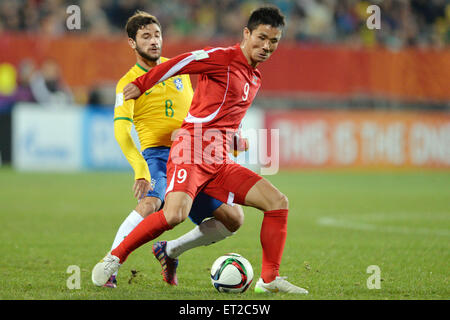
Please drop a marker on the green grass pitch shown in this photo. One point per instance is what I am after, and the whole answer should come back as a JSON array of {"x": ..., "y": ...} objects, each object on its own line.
[{"x": 340, "y": 223}]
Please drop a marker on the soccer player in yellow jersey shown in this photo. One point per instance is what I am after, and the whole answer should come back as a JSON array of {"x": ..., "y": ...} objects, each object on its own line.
[{"x": 155, "y": 115}]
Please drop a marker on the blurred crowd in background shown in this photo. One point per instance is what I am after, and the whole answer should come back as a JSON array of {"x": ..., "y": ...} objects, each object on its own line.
[
  {"x": 342, "y": 64},
  {"x": 404, "y": 22}
]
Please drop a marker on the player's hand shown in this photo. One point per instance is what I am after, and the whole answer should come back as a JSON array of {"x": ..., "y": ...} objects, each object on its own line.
[
  {"x": 141, "y": 187},
  {"x": 240, "y": 144},
  {"x": 131, "y": 91}
]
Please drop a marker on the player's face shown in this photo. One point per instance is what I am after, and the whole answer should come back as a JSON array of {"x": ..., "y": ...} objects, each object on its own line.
[
  {"x": 149, "y": 42},
  {"x": 260, "y": 43}
]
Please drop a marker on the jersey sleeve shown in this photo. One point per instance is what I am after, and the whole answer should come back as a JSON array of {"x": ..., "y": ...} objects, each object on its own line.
[
  {"x": 123, "y": 122},
  {"x": 123, "y": 110},
  {"x": 205, "y": 61}
]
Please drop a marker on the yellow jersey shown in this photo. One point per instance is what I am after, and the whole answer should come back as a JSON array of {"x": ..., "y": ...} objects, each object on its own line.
[{"x": 155, "y": 115}]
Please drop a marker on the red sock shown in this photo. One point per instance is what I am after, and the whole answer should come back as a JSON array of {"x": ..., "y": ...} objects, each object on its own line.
[
  {"x": 273, "y": 237},
  {"x": 149, "y": 228}
]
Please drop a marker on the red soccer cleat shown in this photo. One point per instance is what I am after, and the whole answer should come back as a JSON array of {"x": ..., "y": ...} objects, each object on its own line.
[
  {"x": 169, "y": 265},
  {"x": 112, "y": 282}
]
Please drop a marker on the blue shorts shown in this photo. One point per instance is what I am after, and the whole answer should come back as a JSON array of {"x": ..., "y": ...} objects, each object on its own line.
[{"x": 156, "y": 157}]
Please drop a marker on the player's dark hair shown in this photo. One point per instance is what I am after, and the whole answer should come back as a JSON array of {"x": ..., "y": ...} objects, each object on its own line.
[
  {"x": 139, "y": 20},
  {"x": 267, "y": 16}
]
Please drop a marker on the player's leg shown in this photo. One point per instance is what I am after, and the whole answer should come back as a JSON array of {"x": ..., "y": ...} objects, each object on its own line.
[
  {"x": 175, "y": 210},
  {"x": 266, "y": 197},
  {"x": 145, "y": 207},
  {"x": 208, "y": 230},
  {"x": 156, "y": 159},
  {"x": 215, "y": 221},
  {"x": 185, "y": 180},
  {"x": 250, "y": 189},
  {"x": 231, "y": 216}
]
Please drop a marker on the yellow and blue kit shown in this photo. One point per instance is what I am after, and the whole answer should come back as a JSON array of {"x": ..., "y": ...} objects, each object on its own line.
[{"x": 155, "y": 115}]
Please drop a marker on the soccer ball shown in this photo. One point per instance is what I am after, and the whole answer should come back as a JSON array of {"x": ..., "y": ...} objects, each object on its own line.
[{"x": 231, "y": 273}]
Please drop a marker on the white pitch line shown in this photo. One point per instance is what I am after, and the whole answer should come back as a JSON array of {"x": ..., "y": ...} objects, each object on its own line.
[{"x": 346, "y": 224}]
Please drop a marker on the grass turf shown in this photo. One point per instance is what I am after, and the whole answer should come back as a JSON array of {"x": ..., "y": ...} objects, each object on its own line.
[{"x": 340, "y": 222}]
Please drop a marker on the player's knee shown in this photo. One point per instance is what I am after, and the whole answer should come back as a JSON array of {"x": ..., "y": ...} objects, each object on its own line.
[
  {"x": 147, "y": 206},
  {"x": 175, "y": 216},
  {"x": 279, "y": 201},
  {"x": 176, "y": 207},
  {"x": 284, "y": 201},
  {"x": 238, "y": 219},
  {"x": 232, "y": 217}
]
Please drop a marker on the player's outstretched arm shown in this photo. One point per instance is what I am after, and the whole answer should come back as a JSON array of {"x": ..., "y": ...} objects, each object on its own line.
[{"x": 196, "y": 62}]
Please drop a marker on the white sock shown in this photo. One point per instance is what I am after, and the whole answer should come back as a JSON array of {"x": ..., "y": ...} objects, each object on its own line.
[
  {"x": 206, "y": 233},
  {"x": 133, "y": 219}
]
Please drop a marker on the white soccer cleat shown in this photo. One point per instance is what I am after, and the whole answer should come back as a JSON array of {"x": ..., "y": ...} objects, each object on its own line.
[
  {"x": 105, "y": 269},
  {"x": 280, "y": 284}
]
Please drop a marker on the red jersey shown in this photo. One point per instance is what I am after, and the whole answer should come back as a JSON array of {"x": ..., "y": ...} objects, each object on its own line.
[{"x": 226, "y": 86}]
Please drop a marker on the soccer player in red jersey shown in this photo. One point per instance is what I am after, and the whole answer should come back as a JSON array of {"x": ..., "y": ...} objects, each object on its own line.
[{"x": 227, "y": 85}]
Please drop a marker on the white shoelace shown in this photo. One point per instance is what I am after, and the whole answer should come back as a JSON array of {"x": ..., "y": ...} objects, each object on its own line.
[
  {"x": 110, "y": 264},
  {"x": 287, "y": 284}
]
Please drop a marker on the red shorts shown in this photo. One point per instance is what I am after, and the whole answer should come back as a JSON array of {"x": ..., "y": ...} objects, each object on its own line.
[{"x": 226, "y": 182}]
